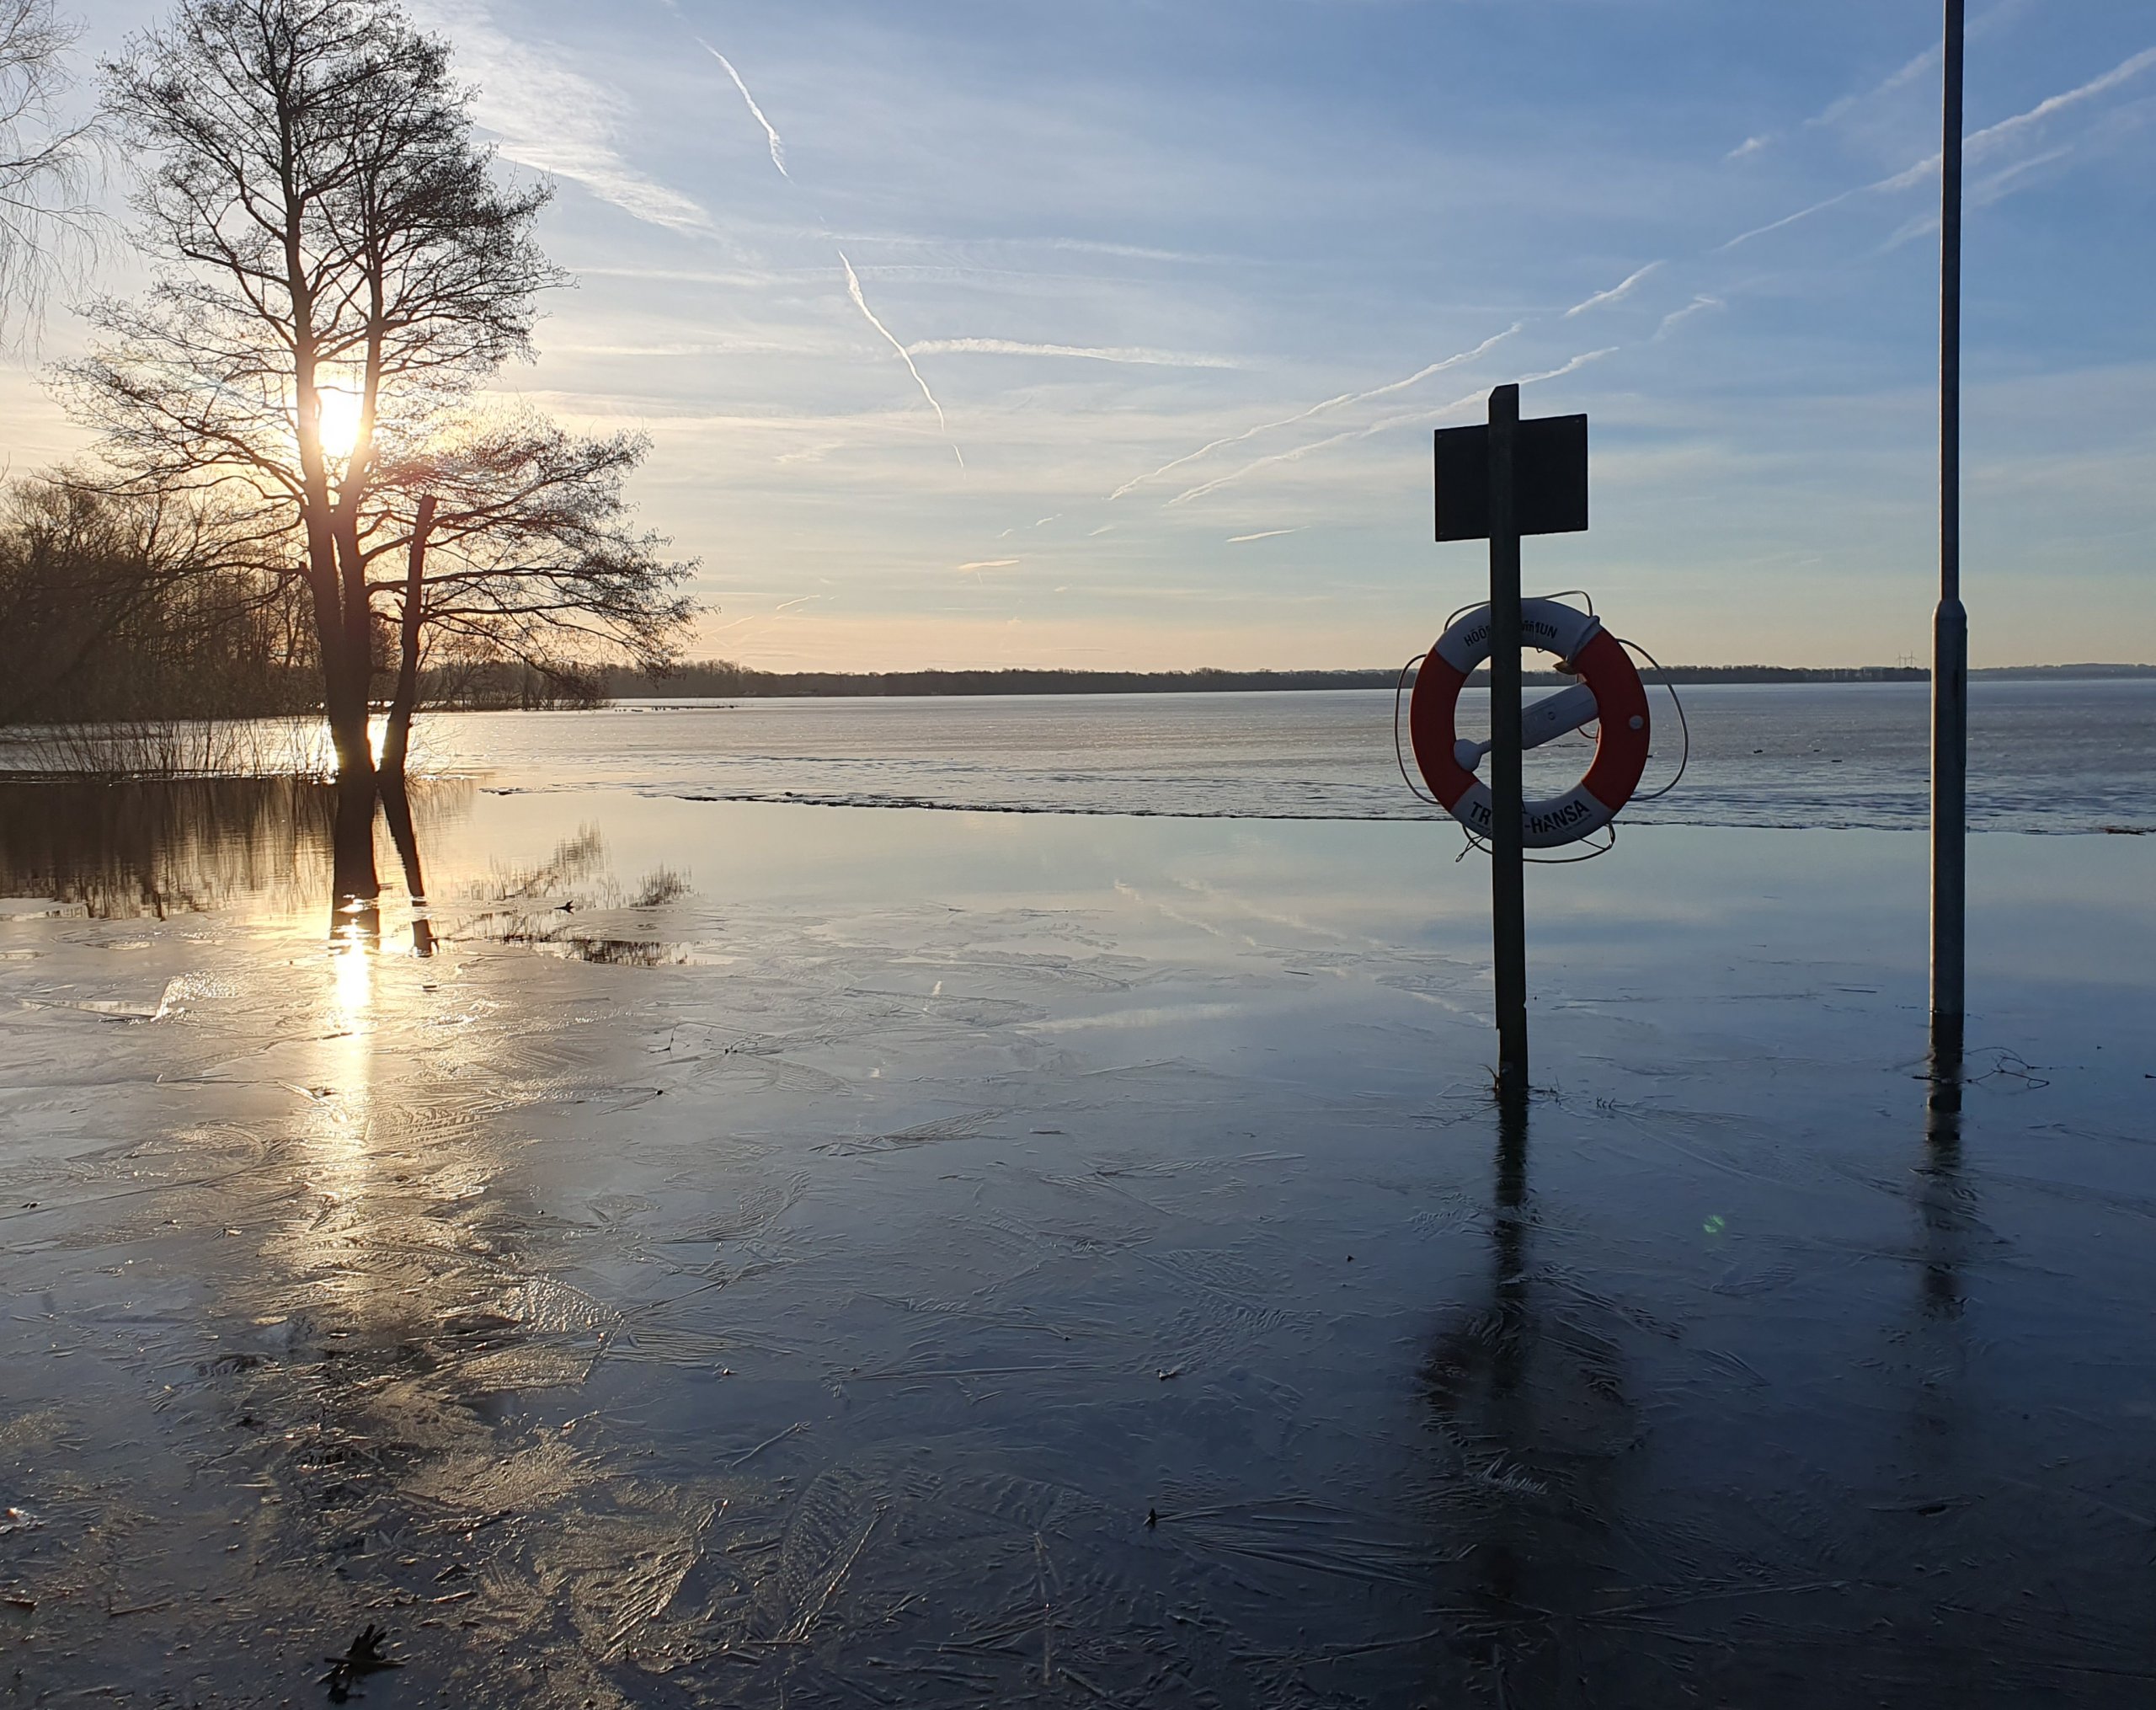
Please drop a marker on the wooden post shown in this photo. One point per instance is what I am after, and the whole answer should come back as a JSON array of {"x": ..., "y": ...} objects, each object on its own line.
[
  {"x": 1508, "y": 862},
  {"x": 1949, "y": 628}
]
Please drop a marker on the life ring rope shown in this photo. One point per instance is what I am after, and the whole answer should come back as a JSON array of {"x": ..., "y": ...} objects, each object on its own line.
[
  {"x": 1684, "y": 752},
  {"x": 1473, "y": 841},
  {"x": 1618, "y": 707}
]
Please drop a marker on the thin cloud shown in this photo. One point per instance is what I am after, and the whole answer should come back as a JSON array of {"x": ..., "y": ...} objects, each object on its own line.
[
  {"x": 1264, "y": 534},
  {"x": 1750, "y": 146},
  {"x": 1616, "y": 293},
  {"x": 860, "y": 302},
  {"x": 1132, "y": 354},
  {"x": 1331, "y": 404},
  {"x": 778, "y": 148},
  {"x": 556, "y": 119}
]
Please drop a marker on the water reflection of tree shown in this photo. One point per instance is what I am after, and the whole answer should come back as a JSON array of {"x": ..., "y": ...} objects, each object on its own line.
[
  {"x": 1532, "y": 1397},
  {"x": 551, "y": 906},
  {"x": 168, "y": 847},
  {"x": 181, "y": 845}
]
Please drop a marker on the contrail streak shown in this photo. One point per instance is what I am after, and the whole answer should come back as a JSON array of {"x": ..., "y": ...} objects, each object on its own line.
[
  {"x": 1296, "y": 453},
  {"x": 778, "y": 148},
  {"x": 1339, "y": 403},
  {"x": 1698, "y": 304},
  {"x": 1570, "y": 364},
  {"x": 860, "y": 302},
  {"x": 1262, "y": 534},
  {"x": 1097, "y": 353},
  {"x": 852, "y": 280},
  {"x": 1975, "y": 144},
  {"x": 2126, "y": 69},
  {"x": 1980, "y": 195},
  {"x": 1409, "y": 419},
  {"x": 1616, "y": 293}
]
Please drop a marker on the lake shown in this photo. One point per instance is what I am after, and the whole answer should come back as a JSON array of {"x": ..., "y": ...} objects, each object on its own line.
[
  {"x": 2044, "y": 756},
  {"x": 779, "y": 1253}
]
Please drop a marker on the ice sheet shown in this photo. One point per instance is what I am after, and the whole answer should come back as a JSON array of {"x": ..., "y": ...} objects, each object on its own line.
[{"x": 956, "y": 1258}]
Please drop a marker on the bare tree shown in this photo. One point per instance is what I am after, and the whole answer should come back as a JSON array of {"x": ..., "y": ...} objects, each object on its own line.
[
  {"x": 43, "y": 160},
  {"x": 520, "y": 549},
  {"x": 126, "y": 607},
  {"x": 340, "y": 269}
]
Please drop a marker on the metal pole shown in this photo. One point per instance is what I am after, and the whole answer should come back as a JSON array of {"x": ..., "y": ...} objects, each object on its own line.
[
  {"x": 1507, "y": 869},
  {"x": 1949, "y": 629}
]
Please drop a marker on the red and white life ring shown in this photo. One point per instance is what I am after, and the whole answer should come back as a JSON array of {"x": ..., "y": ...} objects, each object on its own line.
[{"x": 1619, "y": 702}]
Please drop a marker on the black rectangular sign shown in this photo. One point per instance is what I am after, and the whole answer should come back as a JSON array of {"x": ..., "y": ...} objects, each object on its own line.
[{"x": 1549, "y": 479}]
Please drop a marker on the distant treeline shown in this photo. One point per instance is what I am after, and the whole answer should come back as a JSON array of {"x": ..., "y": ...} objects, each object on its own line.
[
  {"x": 724, "y": 679},
  {"x": 123, "y": 609},
  {"x": 139, "y": 611}
]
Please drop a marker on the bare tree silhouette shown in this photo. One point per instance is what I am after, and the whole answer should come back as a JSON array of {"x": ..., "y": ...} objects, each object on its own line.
[{"x": 340, "y": 270}]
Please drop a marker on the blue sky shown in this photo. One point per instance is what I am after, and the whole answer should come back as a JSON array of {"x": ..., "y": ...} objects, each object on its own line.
[{"x": 1153, "y": 307}]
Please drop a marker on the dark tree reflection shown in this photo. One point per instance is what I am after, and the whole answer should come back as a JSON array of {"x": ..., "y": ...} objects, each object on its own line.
[
  {"x": 167, "y": 846},
  {"x": 179, "y": 846},
  {"x": 397, "y": 813},
  {"x": 353, "y": 884}
]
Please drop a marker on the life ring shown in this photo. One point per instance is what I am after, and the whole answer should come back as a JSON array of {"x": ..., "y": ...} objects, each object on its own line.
[{"x": 1586, "y": 650}]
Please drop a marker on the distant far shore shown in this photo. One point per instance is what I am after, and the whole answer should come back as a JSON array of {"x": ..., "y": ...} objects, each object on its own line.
[{"x": 720, "y": 680}]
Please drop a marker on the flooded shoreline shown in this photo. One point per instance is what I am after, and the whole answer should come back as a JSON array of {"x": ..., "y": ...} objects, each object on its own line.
[{"x": 976, "y": 1258}]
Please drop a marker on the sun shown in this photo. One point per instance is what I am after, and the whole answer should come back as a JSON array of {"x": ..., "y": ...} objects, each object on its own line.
[{"x": 338, "y": 419}]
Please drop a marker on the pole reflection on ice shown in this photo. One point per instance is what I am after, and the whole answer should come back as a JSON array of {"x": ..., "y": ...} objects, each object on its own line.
[
  {"x": 1531, "y": 1397},
  {"x": 1941, "y": 1195},
  {"x": 1510, "y": 1420}
]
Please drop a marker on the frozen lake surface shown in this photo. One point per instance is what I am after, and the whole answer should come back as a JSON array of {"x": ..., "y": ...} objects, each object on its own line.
[
  {"x": 784, "y": 1255},
  {"x": 2067, "y": 757}
]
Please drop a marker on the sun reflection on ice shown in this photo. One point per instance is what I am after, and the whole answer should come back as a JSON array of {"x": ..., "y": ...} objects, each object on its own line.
[
  {"x": 337, "y": 1139},
  {"x": 351, "y": 957}
]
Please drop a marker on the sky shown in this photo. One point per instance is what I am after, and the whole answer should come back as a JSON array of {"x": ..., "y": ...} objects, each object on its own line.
[{"x": 1112, "y": 332}]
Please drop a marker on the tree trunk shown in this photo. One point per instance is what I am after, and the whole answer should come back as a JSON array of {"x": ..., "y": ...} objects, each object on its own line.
[
  {"x": 345, "y": 705},
  {"x": 396, "y": 739},
  {"x": 355, "y": 902}
]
